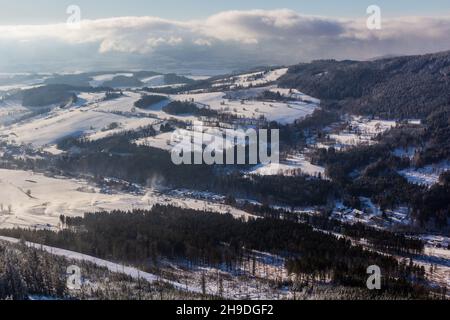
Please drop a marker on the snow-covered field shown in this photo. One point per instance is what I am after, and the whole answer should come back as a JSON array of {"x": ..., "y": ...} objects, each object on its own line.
[
  {"x": 251, "y": 79},
  {"x": 154, "y": 81},
  {"x": 60, "y": 124},
  {"x": 16, "y": 81},
  {"x": 89, "y": 116},
  {"x": 196, "y": 77},
  {"x": 436, "y": 262},
  {"x": 428, "y": 175},
  {"x": 292, "y": 165},
  {"x": 437, "y": 241},
  {"x": 28, "y": 199},
  {"x": 371, "y": 214},
  {"x": 217, "y": 138},
  {"x": 85, "y": 98},
  {"x": 405, "y": 152},
  {"x": 98, "y": 80},
  {"x": 162, "y": 141},
  {"x": 18, "y": 86},
  {"x": 11, "y": 111},
  {"x": 57, "y": 126},
  {"x": 281, "y": 112},
  {"x": 357, "y": 131}
]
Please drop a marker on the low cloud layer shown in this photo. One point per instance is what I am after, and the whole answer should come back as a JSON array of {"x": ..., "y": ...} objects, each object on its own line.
[{"x": 232, "y": 39}]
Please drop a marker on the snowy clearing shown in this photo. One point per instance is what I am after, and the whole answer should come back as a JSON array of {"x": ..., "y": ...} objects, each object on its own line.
[
  {"x": 371, "y": 214},
  {"x": 355, "y": 131},
  {"x": 34, "y": 200},
  {"x": 251, "y": 79},
  {"x": 281, "y": 112},
  {"x": 98, "y": 80},
  {"x": 292, "y": 165},
  {"x": 428, "y": 175},
  {"x": 61, "y": 124},
  {"x": 216, "y": 138},
  {"x": 90, "y": 116},
  {"x": 11, "y": 111},
  {"x": 405, "y": 152}
]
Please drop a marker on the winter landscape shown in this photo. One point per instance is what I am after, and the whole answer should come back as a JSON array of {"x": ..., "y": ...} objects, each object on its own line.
[{"x": 93, "y": 207}]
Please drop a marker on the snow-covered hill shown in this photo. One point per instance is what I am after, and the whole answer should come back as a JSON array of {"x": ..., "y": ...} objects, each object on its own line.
[
  {"x": 93, "y": 116},
  {"x": 243, "y": 104},
  {"x": 251, "y": 79}
]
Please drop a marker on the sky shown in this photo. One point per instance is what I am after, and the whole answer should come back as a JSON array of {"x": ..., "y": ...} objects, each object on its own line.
[
  {"x": 51, "y": 11},
  {"x": 212, "y": 35}
]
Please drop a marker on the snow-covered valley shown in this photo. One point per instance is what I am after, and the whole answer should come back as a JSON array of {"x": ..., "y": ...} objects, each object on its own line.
[{"x": 33, "y": 200}]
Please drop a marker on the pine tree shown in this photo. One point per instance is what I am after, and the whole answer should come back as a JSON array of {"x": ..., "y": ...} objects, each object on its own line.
[{"x": 203, "y": 284}]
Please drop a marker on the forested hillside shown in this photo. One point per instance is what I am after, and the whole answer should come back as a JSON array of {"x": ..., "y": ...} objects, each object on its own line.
[{"x": 402, "y": 87}]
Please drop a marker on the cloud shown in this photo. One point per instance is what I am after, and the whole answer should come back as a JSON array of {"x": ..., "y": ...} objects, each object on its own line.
[
  {"x": 203, "y": 42},
  {"x": 234, "y": 38},
  {"x": 266, "y": 25}
]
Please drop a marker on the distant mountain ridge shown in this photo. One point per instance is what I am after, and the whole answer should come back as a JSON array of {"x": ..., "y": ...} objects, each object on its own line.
[{"x": 115, "y": 79}]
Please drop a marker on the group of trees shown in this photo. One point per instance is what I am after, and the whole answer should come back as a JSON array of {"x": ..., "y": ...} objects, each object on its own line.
[
  {"x": 294, "y": 135},
  {"x": 186, "y": 107},
  {"x": 275, "y": 96},
  {"x": 298, "y": 190},
  {"x": 48, "y": 95},
  {"x": 25, "y": 272},
  {"x": 148, "y": 101},
  {"x": 30, "y": 273},
  {"x": 51, "y": 94},
  {"x": 383, "y": 240},
  {"x": 206, "y": 238}
]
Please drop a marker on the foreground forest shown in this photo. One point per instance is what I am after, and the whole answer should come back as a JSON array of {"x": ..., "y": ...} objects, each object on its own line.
[
  {"x": 144, "y": 238},
  {"x": 28, "y": 273}
]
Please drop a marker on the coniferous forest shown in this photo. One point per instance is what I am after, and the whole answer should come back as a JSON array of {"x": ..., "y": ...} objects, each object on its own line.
[{"x": 205, "y": 238}]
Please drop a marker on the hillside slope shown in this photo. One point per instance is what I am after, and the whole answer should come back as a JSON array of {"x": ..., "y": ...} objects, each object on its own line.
[{"x": 401, "y": 87}]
